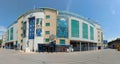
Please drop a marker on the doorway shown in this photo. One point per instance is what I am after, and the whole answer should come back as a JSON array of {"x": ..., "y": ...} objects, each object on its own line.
[{"x": 75, "y": 45}]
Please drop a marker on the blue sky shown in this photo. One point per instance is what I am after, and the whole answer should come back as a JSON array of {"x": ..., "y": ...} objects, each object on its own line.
[{"x": 105, "y": 12}]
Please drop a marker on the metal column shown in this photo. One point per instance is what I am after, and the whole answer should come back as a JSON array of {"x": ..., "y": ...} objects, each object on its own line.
[
  {"x": 80, "y": 46},
  {"x": 88, "y": 46}
]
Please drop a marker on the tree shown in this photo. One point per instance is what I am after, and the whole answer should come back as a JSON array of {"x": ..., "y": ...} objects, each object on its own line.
[{"x": 0, "y": 42}]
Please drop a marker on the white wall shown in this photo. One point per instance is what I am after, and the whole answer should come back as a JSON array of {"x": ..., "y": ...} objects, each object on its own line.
[
  {"x": 36, "y": 39},
  {"x": 15, "y": 30}
]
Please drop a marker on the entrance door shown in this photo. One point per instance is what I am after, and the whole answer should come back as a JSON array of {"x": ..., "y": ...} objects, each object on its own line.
[
  {"x": 40, "y": 47},
  {"x": 75, "y": 45},
  {"x": 84, "y": 46}
]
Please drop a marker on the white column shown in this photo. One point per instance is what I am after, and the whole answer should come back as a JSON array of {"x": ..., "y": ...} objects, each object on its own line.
[
  {"x": 80, "y": 27},
  {"x": 69, "y": 30},
  {"x": 89, "y": 32},
  {"x": 27, "y": 35},
  {"x": 35, "y": 36}
]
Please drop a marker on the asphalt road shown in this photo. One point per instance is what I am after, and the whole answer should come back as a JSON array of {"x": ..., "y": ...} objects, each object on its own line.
[{"x": 108, "y": 56}]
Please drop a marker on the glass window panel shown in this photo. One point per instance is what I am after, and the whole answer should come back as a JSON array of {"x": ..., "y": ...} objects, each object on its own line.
[
  {"x": 62, "y": 27},
  {"x": 11, "y": 33},
  {"x": 62, "y": 41},
  {"x": 74, "y": 28},
  {"x": 47, "y": 32},
  {"x": 47, "y": 40},
  {"x": 85, "y": 30},
  {"x": 47, "y": 24},
  {"x": 47, "y": 16},
  {"x": 91, "y": 33}
]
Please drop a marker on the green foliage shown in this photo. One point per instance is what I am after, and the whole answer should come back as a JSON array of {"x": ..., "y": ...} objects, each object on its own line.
[{"x": 0, "y": 41}]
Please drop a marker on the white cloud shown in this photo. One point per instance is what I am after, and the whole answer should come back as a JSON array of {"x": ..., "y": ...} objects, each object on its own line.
[
  {"x": 0, "y": 37},
  {"x": 110, "y": 39},
  {"x": 2, "y": 30},
  {"x": 113, "y": 38},
  {"x": 63, "y": 19},
  {"x": 69, "y": 4},
  {"x": 113, "y": 12}
]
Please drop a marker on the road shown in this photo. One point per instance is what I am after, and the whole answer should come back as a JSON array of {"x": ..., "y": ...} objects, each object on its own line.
[{"x": 108, "y": 56}]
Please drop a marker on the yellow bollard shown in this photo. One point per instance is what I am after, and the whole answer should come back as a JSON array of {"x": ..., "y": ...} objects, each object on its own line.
[{"x": 118, "y": 47}]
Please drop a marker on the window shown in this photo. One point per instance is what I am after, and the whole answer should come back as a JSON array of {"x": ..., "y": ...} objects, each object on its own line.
[
  {"x": 47, "y": 40},
  {"x": 98, "y": 32},
  {"x": 47, "y": 24},
  {"x": 62, "y": 27},
  {"x": 16, "y": 42},
  {"x": 21, "y": 28},
  {"x": 98, "y": 40},
  {"x": 21, "y": 35},
  {"x": 22, "y": 22},
  {"x": 37, "y": 21},
  {"x": 21, "y": 40},
  {"x": 8, "y": 35},
  {"x": 11, "y": 33},
  {"x": 62, "y": 41},
  {"x": 39, "y": 26},
  {"x": 101, "y": 37},
  {"x": 38, "y": 32},
  {"x": 47, "y": 32},
  {"x": 92, "y": 33},
  {"x": 47, "y": 16},
  {"x": 98, "y": 35},
  {"x": 74, "y": 28},
  {"x": 24, "y": 29},
  {"x": 85, "y": 30}
]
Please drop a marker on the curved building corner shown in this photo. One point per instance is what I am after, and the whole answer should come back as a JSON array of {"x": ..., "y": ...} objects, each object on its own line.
[{"x": 37, "y": 28}]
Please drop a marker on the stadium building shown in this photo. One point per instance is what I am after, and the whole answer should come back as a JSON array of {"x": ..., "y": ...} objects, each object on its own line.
[{"x": 37, "y": 29}]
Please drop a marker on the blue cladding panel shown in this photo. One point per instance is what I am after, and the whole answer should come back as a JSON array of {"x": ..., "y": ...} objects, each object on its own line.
[
  {"x": 62, "y": 28},
  {"x": 39, "y": 27},
  {"x": 31, "y": 27},
  {"x": 38, "y": 32}
]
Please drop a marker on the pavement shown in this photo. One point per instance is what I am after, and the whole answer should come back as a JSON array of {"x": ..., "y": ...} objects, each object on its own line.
[{"x": 106, "y": 56}]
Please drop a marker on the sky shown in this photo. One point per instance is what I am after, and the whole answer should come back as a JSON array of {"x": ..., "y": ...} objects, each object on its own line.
[{"x": 104, "y": 12}]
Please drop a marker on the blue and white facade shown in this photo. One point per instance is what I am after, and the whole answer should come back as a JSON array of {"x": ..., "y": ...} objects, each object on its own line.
[
  {"x": 11, "y": 35},
  {"x": 33, "y": 32},
  {"x": 67, "y": 29}
]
